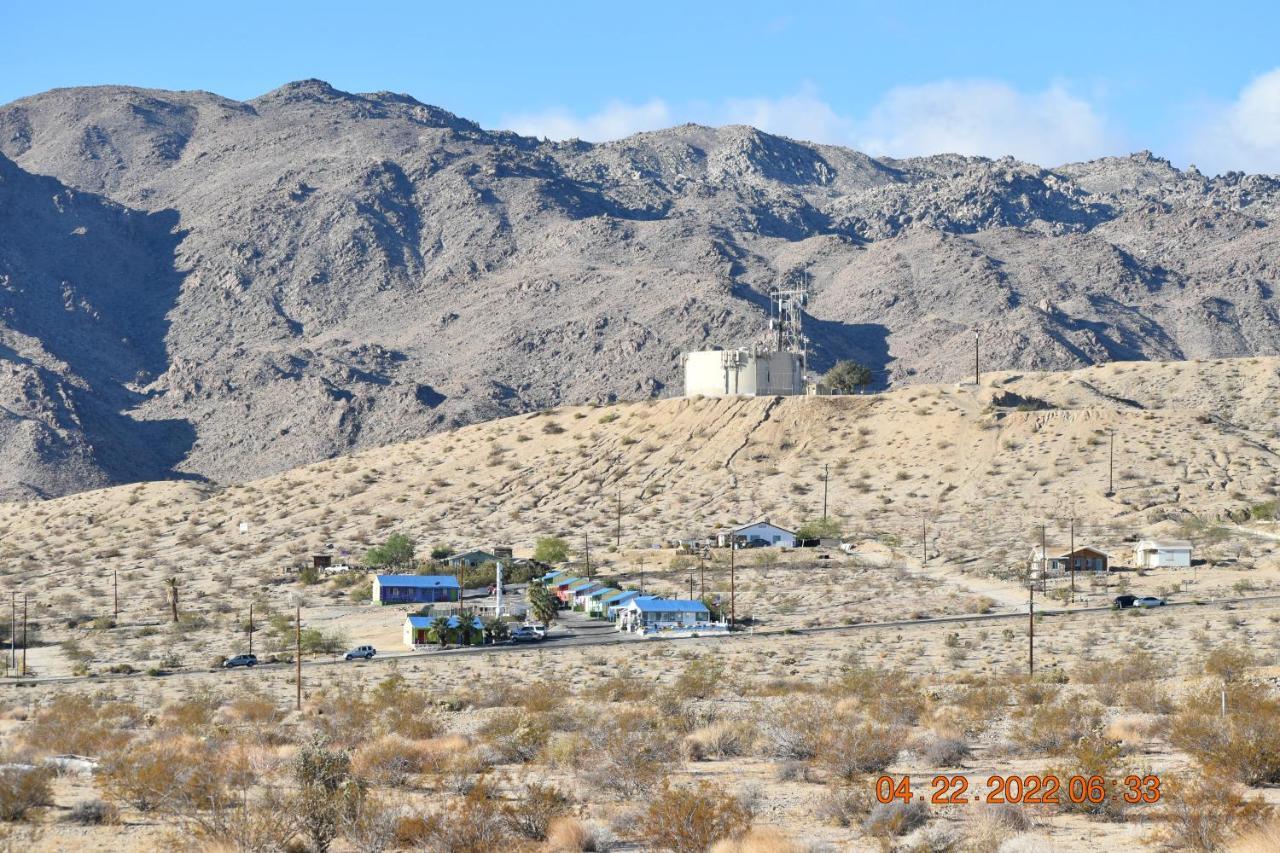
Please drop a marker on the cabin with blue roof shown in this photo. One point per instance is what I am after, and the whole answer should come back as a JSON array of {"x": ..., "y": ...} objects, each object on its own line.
[
  {"x": 415, "y": 589},
  {"x": 649, "y": 616},
  {"x": 418, "y": 629}
]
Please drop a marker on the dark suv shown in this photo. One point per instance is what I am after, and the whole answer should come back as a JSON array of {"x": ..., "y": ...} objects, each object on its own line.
[
  {"x": 1120, "y": 602},
  {"x": 240, "y": 660}
]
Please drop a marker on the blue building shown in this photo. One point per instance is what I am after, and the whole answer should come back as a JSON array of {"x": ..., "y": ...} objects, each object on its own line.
[{"x": 415, "y": 589}]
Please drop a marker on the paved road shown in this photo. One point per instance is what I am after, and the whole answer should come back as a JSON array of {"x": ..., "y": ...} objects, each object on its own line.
[{"x": 576, "y": 630}]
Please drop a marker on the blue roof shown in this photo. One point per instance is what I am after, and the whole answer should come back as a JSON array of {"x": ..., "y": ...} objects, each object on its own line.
[
  {"x": 554, "y": 573},
  {"x": 428, "y": 621},
  {"x": 420, "y": 581},
  {"x": 662, "y": 605},
  {"x": 602, "y": 591},
  {"x": 620, "y": 595}
]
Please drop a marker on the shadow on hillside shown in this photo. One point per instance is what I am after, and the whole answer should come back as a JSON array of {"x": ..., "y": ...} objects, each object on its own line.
[{"x": 97, "y": 283}]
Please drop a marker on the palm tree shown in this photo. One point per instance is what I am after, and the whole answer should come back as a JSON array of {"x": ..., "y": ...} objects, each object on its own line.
[{"x": 171, "y": 593}]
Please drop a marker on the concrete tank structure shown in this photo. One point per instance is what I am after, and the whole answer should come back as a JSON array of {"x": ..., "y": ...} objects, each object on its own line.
[{"x": 742, "y": 372}]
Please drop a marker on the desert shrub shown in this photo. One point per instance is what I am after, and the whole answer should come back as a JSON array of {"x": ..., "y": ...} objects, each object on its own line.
[
  {"x": 23, "y": 788},
  {"x": 690, "y": 820},
  {"x": 629, "y": 759},
  {"x": 148, "y": 774},
  {"x": 539, "y": 696},
  {"x": 1201, "y": 814},
  {"x": 391, "y": 760},
  {"x": 1095, "y": 755},
  {"x": 530, "y": 816},
  {"x": 887, "y": 820},
  {"x": 700, "y": 678},
  {"x": 887, "y": 695},
  {"x": 1229, "y": 663},
  {"x": 1243, "y": 745},
  {"x": 987, "y": 828},
  {"x": 550, "y": 549},
  {"x": 1056, "y": 725},
  {"x": 623, "y": 687},
  {"x": 796, "y": 731},
  {"x": 325, "y": 791},
  {"x": 69, "y": 725},
  {"x": 369, "y": 825},
  {"x": 849, "y": 750},
  {"x": 93, "y": 813},
  {"x": 943, "y": 751},
  {"x": 475, "y": 825},
  {"x": 1262, "y": 838},
  {"x": 845, "y": 805},
  {"x": 516, "y": 735}
]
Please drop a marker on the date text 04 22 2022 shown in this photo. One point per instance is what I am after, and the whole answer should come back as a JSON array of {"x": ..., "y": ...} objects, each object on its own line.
[{"x": 1030, "y": 789}]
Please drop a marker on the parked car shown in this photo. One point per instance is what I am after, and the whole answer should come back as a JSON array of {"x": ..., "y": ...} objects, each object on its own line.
[
  {"x": 1149, "y": 601},
  {"x": 525, "y": 634},
  {"x": 360, "y": 653},
  {"x": 538, "y": 628},
  {"x": 1122, "y": 601},
  {"x": 240, "y": 660}
]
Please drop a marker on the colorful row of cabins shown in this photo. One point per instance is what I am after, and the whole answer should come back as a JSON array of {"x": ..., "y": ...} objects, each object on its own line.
[{"x": 629, "y": 610}]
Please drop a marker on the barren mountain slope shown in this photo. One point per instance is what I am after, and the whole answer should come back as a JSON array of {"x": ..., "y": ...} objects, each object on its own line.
[
  {"x": 1194, "y": 441},
  {"x": 322, "y": 271}
]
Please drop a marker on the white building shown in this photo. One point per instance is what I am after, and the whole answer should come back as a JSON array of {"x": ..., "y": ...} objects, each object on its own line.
[
  {"x": 771, "y": 534},
  {"x": 649, "y": 616},
  {"x": 743, "y": 372},
  {"x": 1161, "y": 553}
]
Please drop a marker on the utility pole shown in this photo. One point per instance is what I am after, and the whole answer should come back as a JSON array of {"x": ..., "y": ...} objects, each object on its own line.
[
  {"x": 297, "y": 653},
  {"x": 586, "y": 550},
  {"x": 1031, "y": 605},
  {"x": 1073, "y": 557},
  {"x": 24, "y": 634},
  {"x": 826, "y": 475},
  {"x": 702, "y": 575},
  {"x": 115, "y": 594},
  {"x": 250, "y": 627},
  {"x": 642, "y": 575},
  {"x": 1111, "y": 466},
  {"x": 13, "y": 631},
  {"x": 732, "y": 590},
  {"x": 691, "y": 584},
  {"x": 924, "y": 542},
  {"x": 618, "y": 532}
]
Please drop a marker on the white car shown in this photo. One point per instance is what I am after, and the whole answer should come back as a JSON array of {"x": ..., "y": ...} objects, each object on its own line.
[{"x": 1149, "y": 601}]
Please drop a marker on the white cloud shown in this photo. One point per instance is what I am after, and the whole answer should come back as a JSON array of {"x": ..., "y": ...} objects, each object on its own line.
[
  {"x": 1243, "y": 135},
  {"x": 616, "y": 120},
  {"x": 801, "y": 116},
  {"x": 985, "y": 117},
  {"x": 989, "y": 118}
]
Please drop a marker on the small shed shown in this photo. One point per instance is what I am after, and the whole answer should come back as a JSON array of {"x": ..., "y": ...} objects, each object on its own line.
[
  {"x": 414, "y": 589},
  {"x": 1162, "y": 553},
  {"x": 755, "y": 533}
]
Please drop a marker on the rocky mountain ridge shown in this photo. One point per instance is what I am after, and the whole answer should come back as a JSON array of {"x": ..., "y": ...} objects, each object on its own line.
[{"x": 200, "y": 287}]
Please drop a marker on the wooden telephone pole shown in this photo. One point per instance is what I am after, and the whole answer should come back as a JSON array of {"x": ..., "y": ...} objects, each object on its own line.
[
  {"x": 297, "y": 653},
  {"x": 1111, "y": 466},
  {"x": 250, "y": 627},
  {"x": 1031, "y": 604},
  {"x": 24, "y": 633},
  {"x": 702, "y": 575},
  {"x": 115, "y": 594},
  {"x": 586, "y": 551},
  {"x": 733, "y": 600},
  {"x": 617, "y": 535},
  {"x": 1073, "y": 557}
]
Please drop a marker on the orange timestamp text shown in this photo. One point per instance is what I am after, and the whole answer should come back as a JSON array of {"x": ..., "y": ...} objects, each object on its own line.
[{"x": 1032, "y": 789}]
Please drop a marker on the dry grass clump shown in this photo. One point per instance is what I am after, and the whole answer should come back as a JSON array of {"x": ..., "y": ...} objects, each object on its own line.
[
  {"x": 1095, "y": 755},
  {"x": 1263, "y": 838},
  {"x": 760, "y": 839},
  {"x": 393, "y": 760},
  {"x": 723, "y": 739},
  {"x": 391, "y": 707},
  {"x": 844, "y": 741},
  {"x": 1054, "y": 726},
  {"x": 988, "y": 828},
  {"x": 628, "y": 754},
  {"x": 516, "y": 736}
]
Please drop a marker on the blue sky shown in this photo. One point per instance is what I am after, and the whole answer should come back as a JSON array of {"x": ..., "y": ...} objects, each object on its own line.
[{"x": 1046, "y": 82}]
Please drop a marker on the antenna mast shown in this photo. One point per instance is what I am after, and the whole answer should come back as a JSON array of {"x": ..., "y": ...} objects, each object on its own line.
[{"x": 787, "y": 323}]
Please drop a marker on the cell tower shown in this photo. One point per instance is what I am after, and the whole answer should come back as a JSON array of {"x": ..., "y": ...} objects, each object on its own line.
[{"x": 786, "y": 320}]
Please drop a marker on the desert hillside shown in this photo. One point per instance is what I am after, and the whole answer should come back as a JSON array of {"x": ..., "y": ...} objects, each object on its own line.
[
  {"x": 201, "y": 287},
  {"x": 982, "y": 467}
]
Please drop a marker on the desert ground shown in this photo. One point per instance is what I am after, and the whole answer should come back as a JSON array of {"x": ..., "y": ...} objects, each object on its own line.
[{"x": 941, "y": 492}]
